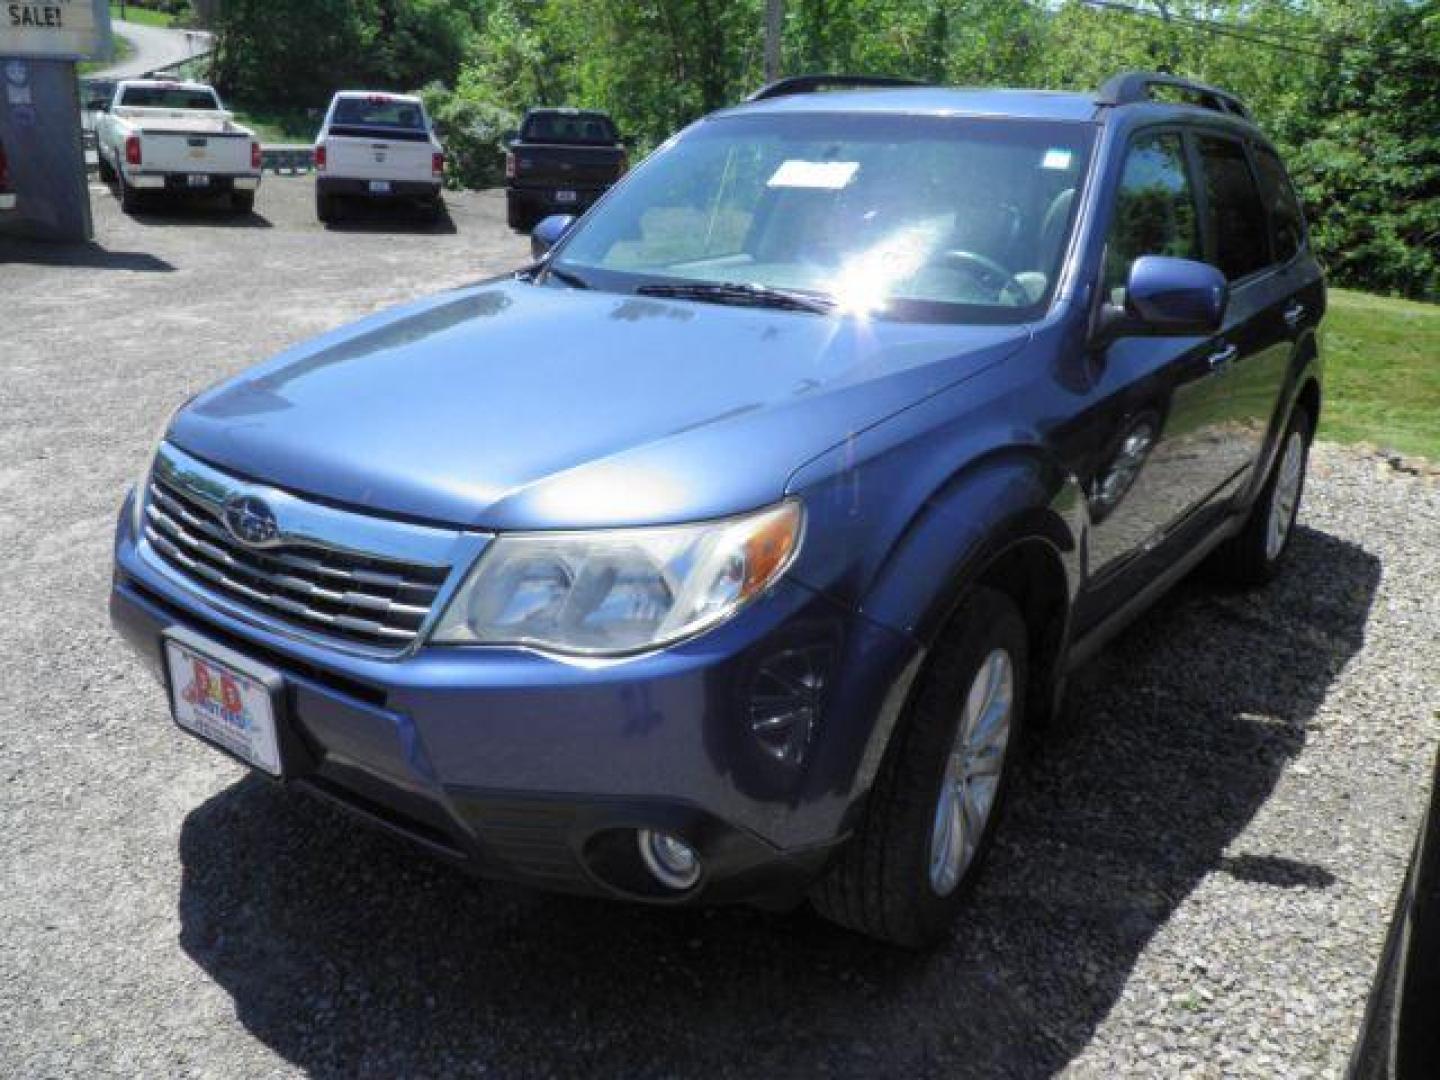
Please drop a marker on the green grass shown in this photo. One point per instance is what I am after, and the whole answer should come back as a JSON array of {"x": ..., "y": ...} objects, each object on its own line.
[
  {"x": 277, "y": 125},
  {"x": 143, "y": 16},
  {"x": 1382, "y": 373},
  {"x": 121, "y": 52}
]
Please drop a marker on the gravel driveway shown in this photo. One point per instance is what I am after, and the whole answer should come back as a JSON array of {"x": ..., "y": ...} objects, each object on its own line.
[{"x": 1195, "y": 877}]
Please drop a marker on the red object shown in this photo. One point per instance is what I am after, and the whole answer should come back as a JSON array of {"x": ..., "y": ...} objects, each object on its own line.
[
  {"x": 4, "y": 171},
  {"x": 132, "y": 150},
  {"x": 320, "y": 158},
  {"x": 230, "y": 695},
  {"x": 437, "y": 165},
  {"x": 255, "y": 158},
  {"x": 509, "y": 166}
]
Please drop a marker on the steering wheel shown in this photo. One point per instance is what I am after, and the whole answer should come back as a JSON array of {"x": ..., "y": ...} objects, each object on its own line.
[{"x": 985, "y": 270}]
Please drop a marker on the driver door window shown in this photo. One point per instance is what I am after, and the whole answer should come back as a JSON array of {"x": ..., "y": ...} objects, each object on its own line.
[{"x": 1154, "y": 211}]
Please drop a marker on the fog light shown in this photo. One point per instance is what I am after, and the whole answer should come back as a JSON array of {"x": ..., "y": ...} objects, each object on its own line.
[{"x": 672, "y": 861}]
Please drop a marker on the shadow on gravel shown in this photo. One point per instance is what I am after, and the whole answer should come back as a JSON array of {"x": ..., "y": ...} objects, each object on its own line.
[
  {"x": 362, "y": 215},
  {"x": 88, "y": 256},
  {"x": 349, "y": 954},
  {"x": 187, "y": 213}
]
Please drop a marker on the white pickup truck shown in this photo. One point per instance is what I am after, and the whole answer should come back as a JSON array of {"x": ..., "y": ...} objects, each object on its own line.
[
  {"x": 175, "y": 137},
  {"x": 377, "y": 146}
]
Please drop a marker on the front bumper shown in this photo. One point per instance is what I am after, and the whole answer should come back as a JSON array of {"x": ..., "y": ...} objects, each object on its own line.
[
  {"x": 7, "y": 202},
  {"x": 179, "y": 183},
  {"x": 399, "y": 189},
  {"x": 526, "y": 767}
]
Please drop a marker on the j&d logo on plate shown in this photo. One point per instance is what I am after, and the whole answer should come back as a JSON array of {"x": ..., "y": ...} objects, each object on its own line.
[{"x": 251, "y": 521}]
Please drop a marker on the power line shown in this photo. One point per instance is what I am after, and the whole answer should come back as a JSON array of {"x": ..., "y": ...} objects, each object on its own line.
[{"x": 1255, "y": 36}]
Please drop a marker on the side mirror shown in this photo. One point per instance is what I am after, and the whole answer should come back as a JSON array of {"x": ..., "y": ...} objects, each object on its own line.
[
  {"x": 548, "y": 233},
  {"x": 1166, "y": 295},
  {"x": 510, "y": 136},
  {"x": 98, "y": 105}
]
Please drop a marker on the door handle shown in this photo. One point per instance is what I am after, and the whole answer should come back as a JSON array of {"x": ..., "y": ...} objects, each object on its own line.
[
  {"x": 1294, "y": 313},
  {"x": 1219, "y": 360}
]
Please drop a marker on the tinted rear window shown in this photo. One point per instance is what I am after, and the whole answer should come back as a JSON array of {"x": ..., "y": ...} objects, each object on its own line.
[
  {"x": 1280, "y": 200},
  {"x": 1239, "y": 239},
  {"x": 569, "y": 128},
  {"x": 167, "y": 97},
  {"x": 379, "y": 112}
]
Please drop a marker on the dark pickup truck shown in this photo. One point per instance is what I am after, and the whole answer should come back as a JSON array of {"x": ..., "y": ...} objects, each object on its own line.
[{"x": 560, "y": 162}]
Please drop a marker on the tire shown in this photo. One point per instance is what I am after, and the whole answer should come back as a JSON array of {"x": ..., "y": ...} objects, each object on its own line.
[
  {"x": 517, "y": 216},
  {"x": 884, "y": 881},
  {"x": 1253, "y": 556},
  {"x": 129, "y": 197},
  {"x": 242, "y": 202},
  {"x": 434, "y": 209},
  {"x": 325, "y": 208},
  {"x": 107, "y": 172}
]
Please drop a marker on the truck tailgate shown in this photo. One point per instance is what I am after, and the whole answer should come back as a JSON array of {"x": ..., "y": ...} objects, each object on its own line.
[
  {"x": 218, "y": 153},
  {"x": 566, "y": 165},
  {"x": 379, "y": 157}
]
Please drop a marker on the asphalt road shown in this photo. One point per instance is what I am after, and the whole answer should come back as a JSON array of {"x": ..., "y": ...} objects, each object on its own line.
[
  {"x": 1194, "y": 878},
  {"x": 156, "y": 47}
]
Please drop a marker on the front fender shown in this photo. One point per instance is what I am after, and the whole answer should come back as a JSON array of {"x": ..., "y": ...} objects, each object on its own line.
[
  {"x": 1011, "y": 496},
  {"x": 896, "y": 527},
  {"x": 898, "y": 539}
]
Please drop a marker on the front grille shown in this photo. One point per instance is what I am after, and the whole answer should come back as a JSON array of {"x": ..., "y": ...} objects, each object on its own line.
[{"x": 355, "y": 598}]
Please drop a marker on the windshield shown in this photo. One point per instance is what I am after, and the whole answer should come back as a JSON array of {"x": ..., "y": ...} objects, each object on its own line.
[
  {"x": 921, "y": 218},
  {"x": 168, "y": 97}
]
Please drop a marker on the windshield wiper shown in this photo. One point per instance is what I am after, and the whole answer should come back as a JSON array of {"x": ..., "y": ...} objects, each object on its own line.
[
  {"x": 734, "y": 292},
  {"x": 575, "y": 281}
]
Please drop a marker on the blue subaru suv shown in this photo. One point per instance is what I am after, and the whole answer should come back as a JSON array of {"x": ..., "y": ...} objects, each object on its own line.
[{"x": 726, "y": 553}]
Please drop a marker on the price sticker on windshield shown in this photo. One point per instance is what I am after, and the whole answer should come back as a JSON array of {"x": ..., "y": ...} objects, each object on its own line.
[{"x": 826, "y": 175}]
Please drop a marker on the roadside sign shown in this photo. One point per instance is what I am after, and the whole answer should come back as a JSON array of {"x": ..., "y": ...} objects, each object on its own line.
[{"x": 55, "y": 29}]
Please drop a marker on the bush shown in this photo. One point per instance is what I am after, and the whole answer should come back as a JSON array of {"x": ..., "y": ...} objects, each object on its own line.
[{"x": 473, "y": 132}]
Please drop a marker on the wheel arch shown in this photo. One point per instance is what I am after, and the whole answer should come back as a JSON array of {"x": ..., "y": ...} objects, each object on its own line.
[{"x": 1029, "y": 547}]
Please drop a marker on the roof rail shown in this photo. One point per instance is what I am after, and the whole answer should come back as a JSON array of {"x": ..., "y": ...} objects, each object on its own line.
[
  {"x": 809, "y": 84},
  {"x": 1130, "y": 87}
]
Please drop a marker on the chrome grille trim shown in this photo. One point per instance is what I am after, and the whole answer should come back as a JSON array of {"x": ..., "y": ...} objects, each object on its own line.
[{"x": 364, "y": 583}]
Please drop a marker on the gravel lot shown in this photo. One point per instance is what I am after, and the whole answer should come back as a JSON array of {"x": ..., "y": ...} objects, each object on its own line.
[{"x": 1195, "y": 877}]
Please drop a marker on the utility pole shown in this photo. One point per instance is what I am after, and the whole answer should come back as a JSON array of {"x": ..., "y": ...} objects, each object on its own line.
[{"x": 774, "y": 25}]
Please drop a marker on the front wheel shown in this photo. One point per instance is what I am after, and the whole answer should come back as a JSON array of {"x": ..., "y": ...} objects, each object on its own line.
[
  {"x": 1252, "y": 556},
  {"x": 930, "y": 818}
]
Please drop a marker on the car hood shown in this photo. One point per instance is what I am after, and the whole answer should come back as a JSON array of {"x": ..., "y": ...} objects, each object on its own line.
[{"x": 519, "y": 406}]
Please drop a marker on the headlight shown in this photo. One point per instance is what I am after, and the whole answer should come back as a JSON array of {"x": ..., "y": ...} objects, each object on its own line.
[{"x": 611, "y": 592}]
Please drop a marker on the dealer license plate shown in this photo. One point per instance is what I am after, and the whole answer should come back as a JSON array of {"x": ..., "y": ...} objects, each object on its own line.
[
  {"x": 379, "y": 187},
  {"x": 231, "y": 707},
  {"x": 197, "y": 180},
  {"x": 565, "y": 196}
]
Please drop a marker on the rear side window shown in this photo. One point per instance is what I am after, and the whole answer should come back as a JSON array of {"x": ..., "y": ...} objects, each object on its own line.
[
  {"x": 1235, "y": 226},
  {"x": 1154, "y": 211},
  {"x": 1280, "y": 199}
]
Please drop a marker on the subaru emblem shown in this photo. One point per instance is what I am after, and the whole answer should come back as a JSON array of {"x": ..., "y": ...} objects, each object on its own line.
[{"x": 250, "y": 521}]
